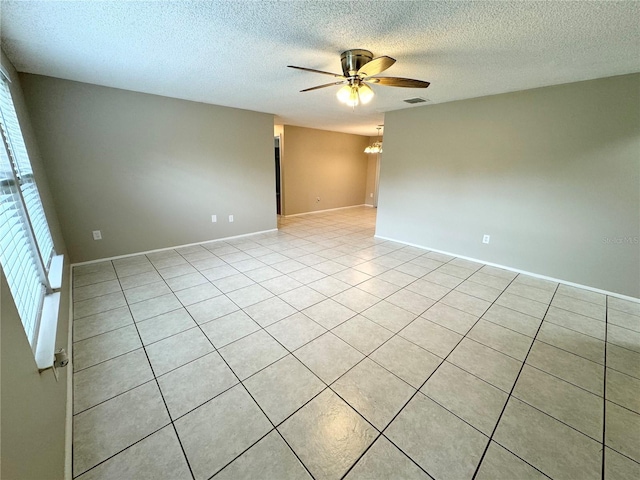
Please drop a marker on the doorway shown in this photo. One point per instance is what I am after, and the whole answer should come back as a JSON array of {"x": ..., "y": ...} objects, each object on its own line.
[
  {"x": 277, "y": 158},
  {"x": 377, "y": 182}
]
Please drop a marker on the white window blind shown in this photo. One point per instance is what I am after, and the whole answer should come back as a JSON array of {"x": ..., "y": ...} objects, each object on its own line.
[{"x": 26, "y": 246}]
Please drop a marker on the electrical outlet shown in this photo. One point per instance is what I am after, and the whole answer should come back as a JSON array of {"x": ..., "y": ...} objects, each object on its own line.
[
  {"x": 486, "y": 238},
  {"x": 214, "y": 218},
  {"x": 97, "y": 235},
  {"x": 371, "y": 195},
  {"x": 230, "y": 218}
]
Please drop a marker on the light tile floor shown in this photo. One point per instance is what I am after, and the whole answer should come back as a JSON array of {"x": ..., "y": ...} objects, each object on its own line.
[{"x": 320, "y": 351}]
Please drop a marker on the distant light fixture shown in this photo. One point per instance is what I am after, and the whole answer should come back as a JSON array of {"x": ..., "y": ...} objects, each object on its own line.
[
  {"x": 375, "y": 147},
  {"x": 354, "y": 93}
]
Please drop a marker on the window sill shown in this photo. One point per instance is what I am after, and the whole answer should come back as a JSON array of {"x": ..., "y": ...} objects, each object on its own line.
[
  {"x": 46, "y": 344},
  {"x": 55, "y": 272},
  {"x": 45, "y": 348}
]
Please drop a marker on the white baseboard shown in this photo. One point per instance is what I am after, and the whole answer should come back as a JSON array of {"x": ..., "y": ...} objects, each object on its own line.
[
  {"x": 326, "y": 210},
  {"x": 68, "y": 431},
  {"x": 88, "y": 262},
  {"x": 516, "y": 270}
]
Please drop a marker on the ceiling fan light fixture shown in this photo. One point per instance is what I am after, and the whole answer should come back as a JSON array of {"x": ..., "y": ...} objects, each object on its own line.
[
  {"x": 345, "y": 93},
  {"x": 365, "y": 93},
  {"x": 354, "y": 97},
  {"x": 358, "y": 69},
  {"x": 353, "y": 94}
]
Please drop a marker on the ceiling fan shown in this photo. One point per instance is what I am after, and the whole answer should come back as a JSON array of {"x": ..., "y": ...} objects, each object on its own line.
[{"x": 359, "y": 69}]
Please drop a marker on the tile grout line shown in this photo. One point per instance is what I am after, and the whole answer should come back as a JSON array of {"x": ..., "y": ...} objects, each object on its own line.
[
  {"x": 197, "y": 323},
  {"x": 240, "y": 382},
  {"x": 366, "y": 356},
  {"x": 73, "y": 371},
  {"x": 575, "y": 331},
  {"x": 275, "y": 427},
  {"x": 626, "y": 329},
  {"x": 624, "y": 455},
  {"x": 604, "y": 389},
  {"x": 112, "y": 397},
  {"x": 554, "y": 418},
  {"x": 128, "y": 446},
  {"x": 445, "y": 359},
  {"x": 221, "y": 357},
  {"x": 298, "y": 311},
  {"x": 495, "y": 428},
  {"x": 624, "y": 408},
  {"x": 580, "y": 314},
  {"x": 327, "y": 386},
  {"x": 582, "y": 299},
  {"x": 562, "y": 379},
  {"x": 187, "y": 262},
  {"x": 398, "y": 413},
  {"x": 418, "y": 391},
  {"x": 296, "y": 349},
  {"x": 155, "y": 378},
  {"x": 122, "y": 450}
]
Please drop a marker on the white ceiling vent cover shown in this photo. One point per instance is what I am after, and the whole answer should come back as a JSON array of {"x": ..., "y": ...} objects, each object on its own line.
[{"x": 416, "y": 100}]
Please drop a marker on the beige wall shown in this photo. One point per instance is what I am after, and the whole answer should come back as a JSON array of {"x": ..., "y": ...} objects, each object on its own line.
[
  {"x": 372, "y": 164},
  {"x": 370, "y": 188},
  {"x": 550, "y": 174},
  {"x": 149, "y": 171},
  {"x": 319, "y": 163},
  {"x": 32, "y": 404}
]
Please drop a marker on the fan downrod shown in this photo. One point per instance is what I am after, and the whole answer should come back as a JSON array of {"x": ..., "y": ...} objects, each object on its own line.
[{"x": 353, "y": 60}]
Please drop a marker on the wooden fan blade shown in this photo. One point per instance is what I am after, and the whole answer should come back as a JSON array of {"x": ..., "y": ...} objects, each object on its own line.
[
  {"x": 397, "y": 82},
  {"x": 323, "y": 86},
  {"x": 317, "y": 71},
  {"x": 375, "y": 66}
]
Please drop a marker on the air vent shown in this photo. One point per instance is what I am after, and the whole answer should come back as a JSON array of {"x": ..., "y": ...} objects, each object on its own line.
[{"x": 416, "y": 100}]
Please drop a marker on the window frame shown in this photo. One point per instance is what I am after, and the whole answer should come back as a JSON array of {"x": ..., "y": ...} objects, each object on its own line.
[{"x": 40, "y": 327}]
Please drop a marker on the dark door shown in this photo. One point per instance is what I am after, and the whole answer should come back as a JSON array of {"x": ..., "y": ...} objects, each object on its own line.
[{"x": 278, "y": 179}]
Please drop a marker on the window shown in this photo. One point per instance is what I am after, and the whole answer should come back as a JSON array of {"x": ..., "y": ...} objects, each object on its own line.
[{"x": 26, "y": 247}]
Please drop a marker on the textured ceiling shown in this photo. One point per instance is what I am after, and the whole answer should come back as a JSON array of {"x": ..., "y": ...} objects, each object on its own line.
[{"x": 235, "y": 53}]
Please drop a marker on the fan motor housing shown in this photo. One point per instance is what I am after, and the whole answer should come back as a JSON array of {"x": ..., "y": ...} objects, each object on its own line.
[{"x": 353, "y": 60}]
